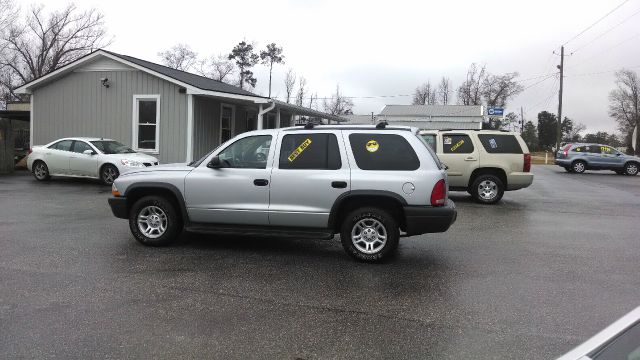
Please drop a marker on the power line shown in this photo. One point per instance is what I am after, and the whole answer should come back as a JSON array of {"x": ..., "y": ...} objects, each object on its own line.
[
  {"x": 595, "y": 23},
  {"x": 605, "y": 51},
  {"x": 607, "y": 31}
]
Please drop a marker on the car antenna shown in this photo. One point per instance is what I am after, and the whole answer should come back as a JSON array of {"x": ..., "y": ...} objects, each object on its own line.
[{"x": 382, "y": 124}]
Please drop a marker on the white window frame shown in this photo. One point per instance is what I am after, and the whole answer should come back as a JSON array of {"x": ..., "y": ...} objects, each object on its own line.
[
  {"x": 231, "y": 121},
  {"x": 135, "y": 122}
]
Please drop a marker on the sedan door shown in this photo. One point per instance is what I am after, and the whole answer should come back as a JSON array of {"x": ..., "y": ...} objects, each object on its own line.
[
  {"x": 309, "y": 176},
  {"x": 57, "y": 157},
  {"x": 237, "y": 192},
  {"x": 81, "y": 164}
]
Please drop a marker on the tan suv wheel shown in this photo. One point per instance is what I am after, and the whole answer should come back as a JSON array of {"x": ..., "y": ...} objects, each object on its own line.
[{"x": 487, "y": 189}]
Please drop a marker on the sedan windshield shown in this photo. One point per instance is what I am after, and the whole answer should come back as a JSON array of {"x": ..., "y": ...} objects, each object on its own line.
[{"x": 112, "y": 147}]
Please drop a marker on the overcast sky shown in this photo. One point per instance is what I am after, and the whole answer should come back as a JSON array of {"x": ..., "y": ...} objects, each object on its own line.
[{"x": 388, "y": 48}]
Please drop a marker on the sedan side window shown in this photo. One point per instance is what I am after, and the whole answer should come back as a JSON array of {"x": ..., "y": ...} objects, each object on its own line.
[
  {"x": 81, "y": 146},
  {"x": 64, "y": 145},
  {"x": 247, "y": 153}
]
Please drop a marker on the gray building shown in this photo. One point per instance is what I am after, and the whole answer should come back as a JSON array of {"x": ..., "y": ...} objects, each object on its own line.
[
  {"x": 175, "y": 115},
  {"x": 434, "y": 117}
]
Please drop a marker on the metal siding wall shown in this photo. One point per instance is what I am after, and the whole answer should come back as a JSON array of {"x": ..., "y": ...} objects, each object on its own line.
[
  {"x": 206, "y": 125},
  {"x": 78, "y": 105}
]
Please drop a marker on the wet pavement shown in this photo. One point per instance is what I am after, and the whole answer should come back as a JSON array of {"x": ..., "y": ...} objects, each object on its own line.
[{"x": 529, "y": 278}]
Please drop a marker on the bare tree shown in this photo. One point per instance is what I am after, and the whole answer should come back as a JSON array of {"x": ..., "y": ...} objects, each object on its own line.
[
  {"x": 443, "y": 91},
  {"x": 470, "y": 91},
  {"x": 624, "y": 105},
  {"x": 498, "y": 89},
  {"x": 338, "y": 104},
  {"x": 8, "y": 14},
  {"x": 273, "y": 55},
  {"x": 425, "y": 94},
  {"x": 216, "y": 67},
  {"x": 179, "y": 57},
  {"x": 302, "y": 91},
  {"x": 313, "y": 101},
  {"x": 45, "y": 42},
  {"x": 245, "y": 59},
  {"x": 289, "y": 83}
]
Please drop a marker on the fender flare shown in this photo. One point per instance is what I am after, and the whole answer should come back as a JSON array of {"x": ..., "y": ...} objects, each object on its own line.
[
  {"x": 335, "y": 208},
  {"x": 165, "y": 186}
]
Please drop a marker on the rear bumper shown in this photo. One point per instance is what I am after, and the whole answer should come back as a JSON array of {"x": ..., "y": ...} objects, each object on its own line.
[
  {"x": 519, "y": 180},
  {"x": 563, "y": 162},
  {"x": 119, "y": 207},
  {"x": 424, "y": 219}
]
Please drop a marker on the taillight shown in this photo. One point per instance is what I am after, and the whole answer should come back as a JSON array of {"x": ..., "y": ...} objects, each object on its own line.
[
  {"x": 439, "y": 193},
  {"x": 566, "y": 150},
  {"x": 526, "y": 167}
]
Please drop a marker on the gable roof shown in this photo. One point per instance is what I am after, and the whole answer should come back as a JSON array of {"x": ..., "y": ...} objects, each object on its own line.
[{"x": 432, "y": 110}]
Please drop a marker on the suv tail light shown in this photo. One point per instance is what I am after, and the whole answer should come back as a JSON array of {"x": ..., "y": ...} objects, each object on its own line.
[
  {"x": 439, "y": 193},
  {"x": 526, "y": 167},
  {"x": 565, "y": 151}
]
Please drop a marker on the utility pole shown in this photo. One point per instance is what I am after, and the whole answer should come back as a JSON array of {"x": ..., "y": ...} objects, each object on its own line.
[
  {"x": 561, "y": 67},
  {"x": 521, "y": 120}
]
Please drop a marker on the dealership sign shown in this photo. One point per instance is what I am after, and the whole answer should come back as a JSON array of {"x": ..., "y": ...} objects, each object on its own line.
[{"x": 495, "y": 111}]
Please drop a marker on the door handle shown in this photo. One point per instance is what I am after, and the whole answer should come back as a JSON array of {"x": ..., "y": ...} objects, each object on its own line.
[
  {"x": 339, "y": 184},
  {"x": 260, "y": 182},
  {"x": 469, "y": 158}
]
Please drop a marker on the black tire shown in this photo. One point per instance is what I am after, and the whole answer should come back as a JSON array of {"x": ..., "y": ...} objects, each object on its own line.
[
  {"x": 370, "y": 216},
  {"x": 579, "y": 166},
  {"x": 568, "y": 169},
  {"x": 108, "y": 174},
  {"x": 619, "y": 172},
  {"x": 493, "y": 189},
  {"x": 631, "y": 168},
  {"x": 147, "y": 206},
  {"x": 40, "y": 170}
]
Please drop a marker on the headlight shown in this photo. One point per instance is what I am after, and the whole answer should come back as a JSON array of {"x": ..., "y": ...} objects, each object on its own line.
[{"x": 131, "y": 163}]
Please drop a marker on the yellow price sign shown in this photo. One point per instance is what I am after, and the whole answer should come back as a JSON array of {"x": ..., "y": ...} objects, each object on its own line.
[
  {"x": 305, "y": 144},
  {"x": 457, "y": 145}
]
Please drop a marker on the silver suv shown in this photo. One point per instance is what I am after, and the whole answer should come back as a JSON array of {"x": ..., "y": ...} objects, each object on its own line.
[
  {"x": 580, "y": 157},
  {"x": 366, "y": 183}
]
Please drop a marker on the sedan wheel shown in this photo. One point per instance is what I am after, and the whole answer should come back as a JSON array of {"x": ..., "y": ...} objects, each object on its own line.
[
  {"x": 41, "y": 171},
  {"x": 109, "y": 174}
]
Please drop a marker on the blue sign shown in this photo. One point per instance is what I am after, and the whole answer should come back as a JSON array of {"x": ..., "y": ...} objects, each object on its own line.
[{"x": 495, "y": 111}]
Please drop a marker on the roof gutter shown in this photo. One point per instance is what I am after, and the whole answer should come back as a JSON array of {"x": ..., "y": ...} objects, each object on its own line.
[{"x": 264, "y": 111}]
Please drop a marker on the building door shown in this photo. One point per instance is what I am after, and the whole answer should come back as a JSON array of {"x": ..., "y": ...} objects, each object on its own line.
[{"x": 226, "y": 123}]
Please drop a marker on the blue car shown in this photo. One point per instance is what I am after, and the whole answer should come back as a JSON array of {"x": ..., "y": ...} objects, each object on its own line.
[{"x": 580, "y": 157}]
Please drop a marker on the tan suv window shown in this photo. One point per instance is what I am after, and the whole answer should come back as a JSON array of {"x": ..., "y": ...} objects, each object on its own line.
[{"x": 457, "y": 144}]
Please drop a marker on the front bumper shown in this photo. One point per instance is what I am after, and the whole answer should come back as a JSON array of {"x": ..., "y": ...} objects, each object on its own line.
[
  {"x": 426, "y": 219},
  {"x": 119, "y": 207}
]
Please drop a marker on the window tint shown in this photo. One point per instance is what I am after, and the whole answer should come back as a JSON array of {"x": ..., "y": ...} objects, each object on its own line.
[
  {"x": 64, "y": 145},
  {"x": 247, "y": 153},
  {"x": 608, "y": 150},
  {"x": 430, "y": 139},
  {"x": 500, "y": 144},
  {"x": 625, "y": 346},
  {"x": 80, "y": 147},
  {"x": 383, "y": 152},
  {"x": 456, "y": 144},
  {"x": 310, "y": 151},
  {"x": 594, "y": 149},
  {"x": 578, "y": 149}
]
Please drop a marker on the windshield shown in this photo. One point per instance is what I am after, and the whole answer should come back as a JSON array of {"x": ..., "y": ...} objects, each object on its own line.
[{"x": 112, "y": 147}]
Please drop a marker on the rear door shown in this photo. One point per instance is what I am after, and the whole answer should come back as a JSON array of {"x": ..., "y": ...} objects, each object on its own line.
[
  {"x": 457, "y": 151},
  {"x": 502, "y": 151},
  {"x": 57, "y": 157},
  {"x": 82, "y": 164},
  {"x": 593, "y": 156},
  {"x": 310, "y": 173}
]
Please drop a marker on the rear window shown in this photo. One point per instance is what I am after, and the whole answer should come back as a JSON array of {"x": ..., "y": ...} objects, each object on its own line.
[
  {"x": 500, "y": 144},
  {"x": 383, "y": 152}
]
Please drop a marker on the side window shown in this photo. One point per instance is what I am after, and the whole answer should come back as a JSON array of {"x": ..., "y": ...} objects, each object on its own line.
[
  {"x": 623, "y": 346},
  {"x": 310, "y": 151},
  {"x": 578, "y": 149},
  {"x": 430, "y": 139},
  {"x": 247, "y": 153},
  {"x": 80, "y": 147},
  {"x": 64, "y": 145},
  {"x": 383, "y": 152},
  {"x": 500, "y": 144},
  {"x": 594, "y": 149},
  {"x": 456, "y": 144},
  {"x": 607, "y": 150}
]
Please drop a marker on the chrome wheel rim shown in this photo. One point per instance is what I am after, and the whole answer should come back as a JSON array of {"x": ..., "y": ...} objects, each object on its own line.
[
  {"x": 487, "y": 190},
  {"x": 152, "y": 222},
  {"x": 632, "y": 169},
  {"x": 109, "y": 174},
  {"x": 40, "y": 171},
  {"x": 578, "y": 167},
  {"x": 369, "y": 236}
]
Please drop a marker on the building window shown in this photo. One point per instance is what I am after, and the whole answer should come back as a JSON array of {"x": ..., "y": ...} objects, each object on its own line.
[
  {"x": 226, "y": 121},
  {"x": 146, "y": 117}
]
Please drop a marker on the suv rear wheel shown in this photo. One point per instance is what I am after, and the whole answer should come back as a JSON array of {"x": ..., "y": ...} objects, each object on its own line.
[
  {"x": 579, "y": 166},
  {"x": 370, "y": 234},
  {"x": 631, "y": 169},
  {"x": 153, "y": 221},
  {"x": 487, "y": 189}
]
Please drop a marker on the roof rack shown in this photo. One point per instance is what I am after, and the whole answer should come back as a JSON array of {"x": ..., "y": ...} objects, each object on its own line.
[
  {"x": 382, "y": 124},
  {"x": 309, "y": 125}
]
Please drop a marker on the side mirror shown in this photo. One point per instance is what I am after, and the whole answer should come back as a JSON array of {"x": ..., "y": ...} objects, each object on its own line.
[
  {"x": 618, "y": 154},
  {"x": 215, "y": 163},
  {"x": 89, "y": 152}
]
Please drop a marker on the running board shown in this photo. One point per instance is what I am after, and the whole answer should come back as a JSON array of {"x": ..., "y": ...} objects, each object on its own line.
[{"x": 305, "y": 233}]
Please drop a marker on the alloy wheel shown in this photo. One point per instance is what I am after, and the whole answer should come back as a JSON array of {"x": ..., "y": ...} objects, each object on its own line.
[
  {"x": 152, "y": 222},
  {"x": 632, "y": 169},
  {"x": 109, "y": 174},
  {"x": 40, "y": 171},
  {"x": 487, "y": 190}
]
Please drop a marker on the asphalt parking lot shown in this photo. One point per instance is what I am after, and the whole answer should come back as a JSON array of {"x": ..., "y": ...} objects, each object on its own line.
[{"x": 529, "y": 278}]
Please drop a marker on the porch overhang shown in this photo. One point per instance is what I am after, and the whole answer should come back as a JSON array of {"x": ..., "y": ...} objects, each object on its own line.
[{"x": 303, "y": 111}]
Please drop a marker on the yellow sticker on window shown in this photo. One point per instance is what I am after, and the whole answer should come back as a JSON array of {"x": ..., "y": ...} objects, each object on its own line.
[
  {"x": 457, "y": 145},
  {"x": 299, "y": 150},
  {"x": 372, "y": 146}
]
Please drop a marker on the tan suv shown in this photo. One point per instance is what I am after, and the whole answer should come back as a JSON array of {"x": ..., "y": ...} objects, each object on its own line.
[{"x": 485, "y": 163}]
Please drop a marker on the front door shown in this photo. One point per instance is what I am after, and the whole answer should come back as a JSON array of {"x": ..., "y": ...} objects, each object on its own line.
[
  {"x": 460, "y": 155},
  {"x": 611, "y": 158},
  {"x": 83, "y": 164},
  {"x": 58, "y": 156},
  {"x": 238, "y": 193},
  {"x": 308, "y": 177}
]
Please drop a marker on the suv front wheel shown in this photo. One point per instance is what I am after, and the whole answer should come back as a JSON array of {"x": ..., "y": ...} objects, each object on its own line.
[
  {"x": 487, "y": 189},
  {"x": 370, "y": 234},
  {"x": 153, "y": 221}
]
